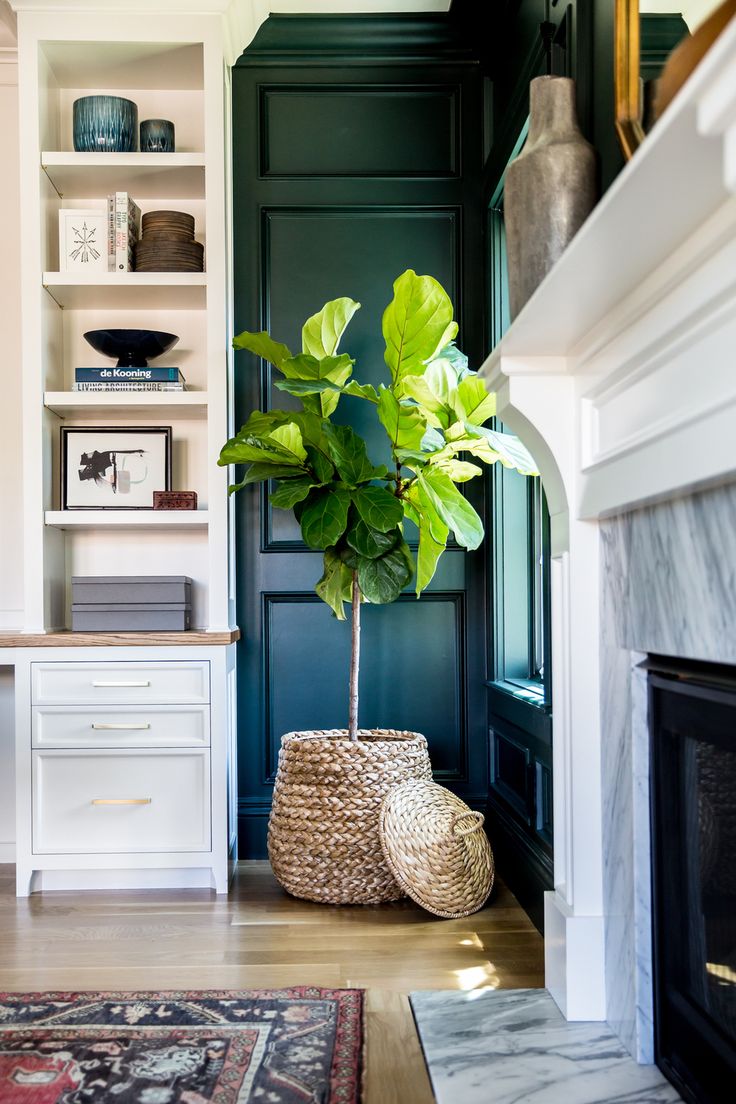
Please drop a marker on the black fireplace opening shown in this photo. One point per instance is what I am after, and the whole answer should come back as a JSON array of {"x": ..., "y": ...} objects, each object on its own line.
[{"x": 692, "y": 718}]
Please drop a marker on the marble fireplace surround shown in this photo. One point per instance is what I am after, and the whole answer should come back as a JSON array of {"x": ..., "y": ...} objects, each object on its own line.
[{"x": 618, "y": 375}]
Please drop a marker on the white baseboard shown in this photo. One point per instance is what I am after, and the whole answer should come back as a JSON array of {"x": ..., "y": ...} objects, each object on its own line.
[
  {"x": 574, "y": 960},
  {"x": 7, "y": 852},
  {"x": 186, "y": 878}
]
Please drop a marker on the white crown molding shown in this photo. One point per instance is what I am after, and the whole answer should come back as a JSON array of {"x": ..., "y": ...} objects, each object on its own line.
[
  {"x": 235, "y": 7},
  {"x": 358, "y": 7},
  {"x": 241, "y": 18}
]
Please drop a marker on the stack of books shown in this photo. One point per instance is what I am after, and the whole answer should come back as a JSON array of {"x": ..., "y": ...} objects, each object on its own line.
[
  {"x": 123, "y": 231},
  {"x": 128, "y": 379}
]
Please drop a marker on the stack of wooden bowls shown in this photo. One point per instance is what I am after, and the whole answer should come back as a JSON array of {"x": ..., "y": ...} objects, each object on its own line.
[{"x": 167, "y": 243}]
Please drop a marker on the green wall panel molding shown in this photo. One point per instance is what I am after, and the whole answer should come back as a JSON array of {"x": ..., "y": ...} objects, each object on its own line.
[
  {"x": 352, "y": 132},
  {"x": 306, "y": 40}
]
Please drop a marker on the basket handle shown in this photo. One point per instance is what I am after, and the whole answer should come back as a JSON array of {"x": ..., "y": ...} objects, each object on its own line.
[{"x": 478, "y": 823}]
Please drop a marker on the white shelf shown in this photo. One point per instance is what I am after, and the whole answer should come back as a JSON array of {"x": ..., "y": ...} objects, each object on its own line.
[
  {"x": 127, "y": 519},
  {"x": 144, "y": 175},
  {"x": 128, "y": 290},
  {"x": 171, "y": 404}
]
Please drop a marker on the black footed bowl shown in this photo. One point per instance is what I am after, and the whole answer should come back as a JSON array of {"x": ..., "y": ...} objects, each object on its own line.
[{"x": 133, "y": 348}]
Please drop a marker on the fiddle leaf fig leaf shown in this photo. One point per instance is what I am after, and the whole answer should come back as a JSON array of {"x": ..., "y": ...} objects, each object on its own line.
[
  {"x": 361, "y": 390},
  {"x": 348, "y": 453},
  {"x": 441, "y": 378},
  {"x": 381, "y": 580},
  {"x": 260, "y": 423},
  {"x": 264, "y": 346},
  {"x": 300, "y": 387},
  {"x": 378, "y": 508},
  {"x": 289, "y": 438},
  {"x": 336, "y": 369},
  {"x": 511, "y": 452},
  {"x": 456, "y": 358},
  {"x": 430, "y": 550},
  {"x": 335, "y": 586},
  {"x": 291, "y": 491},
  {"x": 269, "y": 449},
  {"x": 348, "y": 555},
  {"x": 472, "y": 402},
  {"x": 403, "y": 423},
  {"x": 369, "y": 542},
  {"x": 452, "y": 508},
  {"x": 459, "y": 471},
  {"x": 491, "y": 446},
  {"x": 322, "y": 332},
  {"x": 320, "y": 464},
  {"x": 417, "y": 388},
  {"x": 325, "y": 517},
  {"x": 416, "y": 324},
  {"x": 426, "y": 511},
  {"x": 333, "y": 369},
  {"x": 258, "y": 473},
  {"x": 436, "y": 413}
]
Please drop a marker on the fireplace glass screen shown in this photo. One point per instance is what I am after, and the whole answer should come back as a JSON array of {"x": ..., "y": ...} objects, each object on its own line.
[{"x": 693, "y": 728}]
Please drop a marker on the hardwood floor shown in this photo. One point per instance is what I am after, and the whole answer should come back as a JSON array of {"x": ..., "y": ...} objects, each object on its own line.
[{"x": 260, "y": 937}]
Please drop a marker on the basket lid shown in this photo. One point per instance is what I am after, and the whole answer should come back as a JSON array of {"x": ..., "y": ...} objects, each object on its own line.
[{"x": 436, "y": 849}]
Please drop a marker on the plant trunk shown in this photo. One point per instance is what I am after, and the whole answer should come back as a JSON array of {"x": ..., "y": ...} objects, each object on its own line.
[{"x": 354, "y": 661}]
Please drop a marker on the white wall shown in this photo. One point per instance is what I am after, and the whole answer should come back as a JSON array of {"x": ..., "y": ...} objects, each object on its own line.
[
  {"x": 11, "y": 556},
  {"x": 11, "y": 552}
]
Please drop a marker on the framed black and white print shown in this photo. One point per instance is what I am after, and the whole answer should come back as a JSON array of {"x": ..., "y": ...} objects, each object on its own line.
[
  {"x": 114, "y": 468},
  {"x": 82, "y": 240}
]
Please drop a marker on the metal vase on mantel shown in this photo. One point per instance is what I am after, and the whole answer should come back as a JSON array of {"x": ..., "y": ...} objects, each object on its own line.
[{"x": 550, "y": 188}]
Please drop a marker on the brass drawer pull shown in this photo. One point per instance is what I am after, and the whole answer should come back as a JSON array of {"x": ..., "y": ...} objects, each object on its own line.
[
  {"x": 120, "y": 727},
  {"x": 121, "y": 800},
  {"x": 105, "y": 682}
]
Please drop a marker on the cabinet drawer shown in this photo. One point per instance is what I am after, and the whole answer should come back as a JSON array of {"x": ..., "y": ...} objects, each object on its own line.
[
  {"x": 113, "y": 802},
  {"x": 121, "y": 726},
  {"x": 120, "y": 683}
]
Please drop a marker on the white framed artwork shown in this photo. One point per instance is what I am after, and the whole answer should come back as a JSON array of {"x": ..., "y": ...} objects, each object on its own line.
[
  {"x": 83, "y": 239},
  {"x": 114, "y": 467}
]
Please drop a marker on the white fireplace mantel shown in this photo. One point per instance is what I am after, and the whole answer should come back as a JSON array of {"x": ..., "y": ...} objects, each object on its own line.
[{"x": 620, "y": 376}]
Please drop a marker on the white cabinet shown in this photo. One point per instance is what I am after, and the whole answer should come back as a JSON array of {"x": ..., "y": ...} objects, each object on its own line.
[
  {"x": 120, "y": 726},
  {"x": 98, "y": 802},
  {"x": 125, "y": 767},
  {"x": 119, "y": 683}
]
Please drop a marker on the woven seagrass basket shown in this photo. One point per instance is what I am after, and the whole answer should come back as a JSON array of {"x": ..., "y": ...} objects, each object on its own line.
[
  {"x": 323, "y": 839},
  {"x": 436, "y": 848}
]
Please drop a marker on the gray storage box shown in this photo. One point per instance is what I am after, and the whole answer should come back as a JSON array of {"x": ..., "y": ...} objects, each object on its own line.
[
  {"x": 137, "y": 589},
  {"x": 132, "y": 617}
]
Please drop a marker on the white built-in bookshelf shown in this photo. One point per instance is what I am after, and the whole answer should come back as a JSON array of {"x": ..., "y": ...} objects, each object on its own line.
[
  {"x": 103, "y": 813},
  {"x": 172, "y": 67}
]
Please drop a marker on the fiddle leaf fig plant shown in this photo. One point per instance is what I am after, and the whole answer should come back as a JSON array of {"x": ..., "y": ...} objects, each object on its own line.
[{"x": 434, "y": 411}]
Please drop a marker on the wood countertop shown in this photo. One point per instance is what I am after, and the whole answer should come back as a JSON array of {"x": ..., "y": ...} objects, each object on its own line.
[{"x": 192, "y": 638}]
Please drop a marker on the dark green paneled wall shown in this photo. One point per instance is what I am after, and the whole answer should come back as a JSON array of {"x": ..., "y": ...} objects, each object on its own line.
[
  {"x": 362, "y": 146},
  {"x": 357, "y": 154}
]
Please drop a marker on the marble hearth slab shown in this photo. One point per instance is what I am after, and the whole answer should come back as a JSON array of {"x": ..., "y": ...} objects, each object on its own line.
[{"x": 515, "y": 1047}]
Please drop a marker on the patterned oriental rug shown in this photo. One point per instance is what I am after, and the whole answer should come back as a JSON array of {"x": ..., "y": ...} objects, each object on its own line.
[{"x": 279, "y": 1046}]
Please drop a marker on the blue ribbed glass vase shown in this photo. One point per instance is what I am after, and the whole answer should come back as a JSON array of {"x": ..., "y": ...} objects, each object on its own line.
[
  {"x": 105, "y": 124},
  {"x": 157, "y": 136}
]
